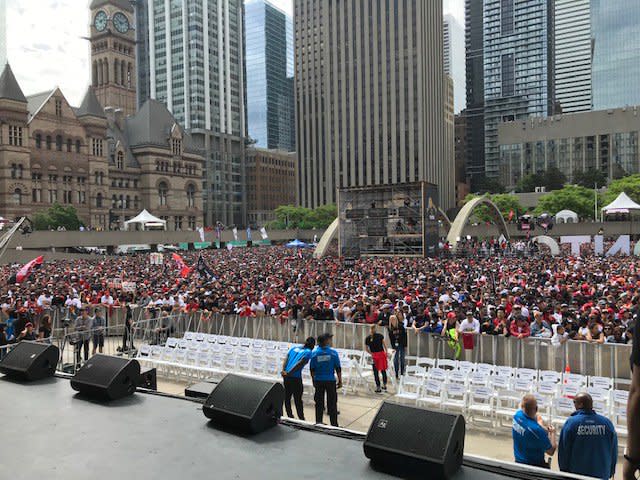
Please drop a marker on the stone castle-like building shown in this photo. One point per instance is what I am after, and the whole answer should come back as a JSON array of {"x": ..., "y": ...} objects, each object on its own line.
[{"x": 103, "y": 158}]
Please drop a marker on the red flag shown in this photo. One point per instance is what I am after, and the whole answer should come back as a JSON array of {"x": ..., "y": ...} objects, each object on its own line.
[
  {"x": 25, "y": 271},
  {"x": 511, "y": 214},
  {"x": 184, "y": 270}
]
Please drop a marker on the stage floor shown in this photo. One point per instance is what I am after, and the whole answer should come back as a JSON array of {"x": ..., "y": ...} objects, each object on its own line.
[{"x": 49, "y": 432}]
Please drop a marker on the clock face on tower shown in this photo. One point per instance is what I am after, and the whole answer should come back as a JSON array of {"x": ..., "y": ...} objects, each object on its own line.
[
  {"x": 100, "y": 21},
  {"x": 121, "y": 22}
]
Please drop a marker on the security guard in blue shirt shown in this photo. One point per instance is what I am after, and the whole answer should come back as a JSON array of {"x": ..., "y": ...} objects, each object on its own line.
[
  {"x": 588, "y": 442},
  {"x": 324, "y": 365},
  {"x": 531, "y": 439},
  {"x": 294, "y": 362}
]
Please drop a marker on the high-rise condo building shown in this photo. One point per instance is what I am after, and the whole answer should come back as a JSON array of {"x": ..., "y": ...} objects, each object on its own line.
[{"x": 454, "y": 59}]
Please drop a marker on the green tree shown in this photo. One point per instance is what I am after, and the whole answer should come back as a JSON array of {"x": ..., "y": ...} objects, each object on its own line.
[
  {"x": 57, "y": 216},
  {"x": 289, "y": 216},
  {"x": 505, "y": 203},
  {"x": 529, "y": 183},
  {"x": 630, "y": 185},
  {"x": 553, "y": 179},
  {"x": 572, "y": 197},
  {"x": 482, "y": 185},
  {"x": 589, "y": 178}
]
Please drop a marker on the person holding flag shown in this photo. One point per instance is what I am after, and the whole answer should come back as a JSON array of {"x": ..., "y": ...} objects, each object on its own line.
[{"x": 184, "y": 269}]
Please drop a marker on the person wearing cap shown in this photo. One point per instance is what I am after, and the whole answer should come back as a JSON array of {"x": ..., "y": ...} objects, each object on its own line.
[
  {"x": 324, "y": 366},
  {"x": 469, "y": 325},
  {"x": 292, "y": 367},
  {"x": 27, "y": 334},
  {"x": 450, "y": 332}
]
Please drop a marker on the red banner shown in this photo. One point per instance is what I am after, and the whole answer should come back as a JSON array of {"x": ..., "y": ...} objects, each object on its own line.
[
  {"x": 184, "y": 269},
  {"x": 25, "y": 271}
]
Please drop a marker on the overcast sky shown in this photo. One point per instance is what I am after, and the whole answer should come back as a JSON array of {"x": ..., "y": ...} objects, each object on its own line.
[{"x": 46, "y": 46}]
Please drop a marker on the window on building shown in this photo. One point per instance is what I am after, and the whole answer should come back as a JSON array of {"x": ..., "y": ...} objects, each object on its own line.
[
  {"x": 15, "y": 136},
  {"x": 58, "y": 107},
  {"x": 78, "y": 144},
  {"x": 59, "y": 143},
  {"x": 17, "y": 197},
  {"x": 192, "y": 223},
  {"x": 120, "y": 160},
  {"x": 177, "y": 223},
  {"x": 14, "y": 169},
  {"x": 99, "y": 200},
  {"x": 508, "y": 75},
  {"x": 69, "y": 145},
  {"x": 136, "y": 202},
  {"x": 38, "y": 140},
  {"x": 176, "y": 147},
  {"x": 36, "y": 195},
  {"x": 506, "y": 17},
  {"x": 96, "y": 147},
  {"x": 48, "y": 141},
  {"x": 163, "y": 192},
  {"x": 191, "y": 196}
]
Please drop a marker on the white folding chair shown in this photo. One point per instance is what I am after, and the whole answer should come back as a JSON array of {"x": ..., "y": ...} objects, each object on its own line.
[
  {"x": 544, "y": 405},
  {"x": 507, "y": 404},
  {"x": 481, "y": 408},
  {"x": 569, "y": 390},
  {"x": 466, "y": 367},
  {"x": 523, "y": 385},
  {"x": 527, "y": 374},
  {"x": 604, "y": 383},
  {"x": 479, "y": 380},
  {"x": 485, "y": 369},
  {"x": 437, "y": 374},
  {"x": 144, "y": 351},
  {"x": 599, "y": 395},
  {"x": 416, "y": 371},
  {"x": 455, "y": 398},
  {"x": 258, "y": 364},
  {"x": 172, "y": 342},
  {"x": 550, "y": 376},
  {"x": 431, "y": 394},
  {"x": 547, "y": 389},
  {"x": 457, "y": 376},
  {"x": 561, "y": 408},
  {"x": 189, "y": 336},
  {"x": 499, "y": 382},
  {"x": 447, "y": 364},
  {"x": 204, "y": 359},
  {"x": 243, "y": 364},
  {"x": 229, "y": 363},
  {"x": 503, "y": 371},
  {"x": 574, "y": 379},
  {"x": 426, "y": 363},
  {"x": 619, "y": 411},
  {"x": 200, "y": 337},
  {"x": 409, "y": 388}
]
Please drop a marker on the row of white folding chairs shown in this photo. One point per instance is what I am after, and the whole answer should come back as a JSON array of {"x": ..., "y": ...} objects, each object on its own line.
[
  {"x": 201, "y": 340},
  {"x": 529, "y": 374},
  {"x": 494, "y": 406}
]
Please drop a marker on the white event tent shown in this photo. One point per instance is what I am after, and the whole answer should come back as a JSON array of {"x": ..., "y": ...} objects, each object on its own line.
[{"x": 146, "y": 220}]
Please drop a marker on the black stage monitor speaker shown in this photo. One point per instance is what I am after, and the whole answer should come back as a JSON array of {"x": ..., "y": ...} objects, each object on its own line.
[
  {"x": 30, "y": 361},
  {"x": 107, "y": 378},
  {"x": 245, "y": 404},
  {"x": 148, "y": 379},
  {"x": 415, "y": 441}
]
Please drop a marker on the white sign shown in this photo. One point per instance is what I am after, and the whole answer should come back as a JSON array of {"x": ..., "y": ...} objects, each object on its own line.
[
  {"x": 156, "y": 259},
  {"x": 622, "y": 246},
  {"x": 129, "y": 286}
]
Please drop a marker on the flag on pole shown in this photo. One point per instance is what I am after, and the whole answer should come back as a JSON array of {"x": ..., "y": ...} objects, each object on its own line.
[
  {"x": 201, "y": 232},
  {"x": 511, "y": 214},
  {"x": 26, "y": 270},
  {"x": 235, "y": 234},
  {"x": 184, "y": 269},
  {"x": 248, "y": 234},
  {"x": 203, "y": 269},
  {"x": 263, "y": 233}
]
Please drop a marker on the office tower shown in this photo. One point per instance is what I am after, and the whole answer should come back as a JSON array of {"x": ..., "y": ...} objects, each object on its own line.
[
  {"x": 474, "y": 43},
  {"x": 192, "y": 53},
  {"x": 269, "y": 76},
  {"x": 454, "y": 59},
  {"x": 573, "y": 54},
  {"x": 370, "y": 97},
  {"x": 3, "y": 33},
  {"x": 615, "y": 32},
  {"x": 518, "y": 67}
]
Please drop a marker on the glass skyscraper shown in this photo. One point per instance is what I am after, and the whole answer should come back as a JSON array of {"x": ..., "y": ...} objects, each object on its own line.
[
  {"x": 615, "y": 32},
  {"x": 269, "y": 76},
  {"x": 518, "y": 67},
  {"x": 190, "y": 55}
]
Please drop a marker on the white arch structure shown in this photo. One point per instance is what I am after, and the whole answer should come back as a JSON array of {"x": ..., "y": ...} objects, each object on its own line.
[
  {"x": 328, "y": 235},
  {"x": 549, "y": 242},
  {"x": 457, "y": 227}
]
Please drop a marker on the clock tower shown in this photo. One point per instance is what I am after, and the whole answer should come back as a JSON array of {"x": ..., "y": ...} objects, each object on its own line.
[{"x": 113, "y": 50}]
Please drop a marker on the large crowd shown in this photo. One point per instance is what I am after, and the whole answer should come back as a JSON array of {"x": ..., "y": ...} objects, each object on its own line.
[{"x": 564, "y": 298}]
